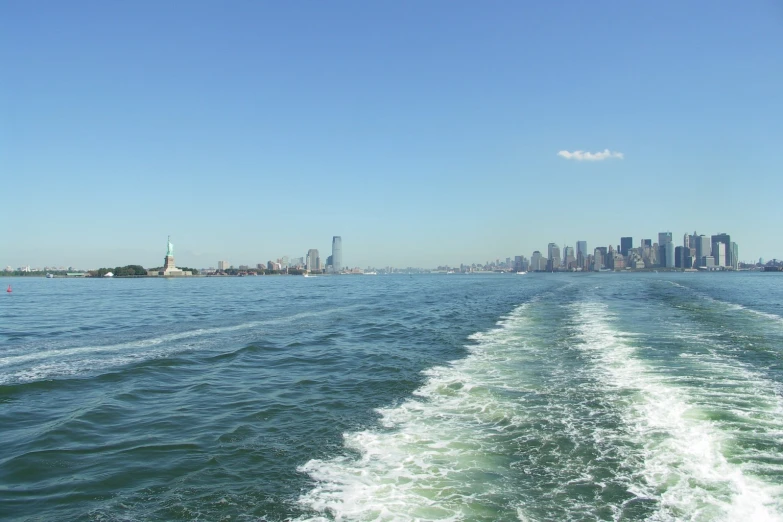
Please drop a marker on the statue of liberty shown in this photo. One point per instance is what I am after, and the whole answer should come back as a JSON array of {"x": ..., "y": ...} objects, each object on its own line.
[{"x": 170, "y": 251}]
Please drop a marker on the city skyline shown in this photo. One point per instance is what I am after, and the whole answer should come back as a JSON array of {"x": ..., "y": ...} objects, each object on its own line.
[
  {"x": 432, "y": 133},
  {"x": 719, "y": 246}
]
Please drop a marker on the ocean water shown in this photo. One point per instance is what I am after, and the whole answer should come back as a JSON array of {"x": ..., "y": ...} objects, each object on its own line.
[{"x": 563, "y": 397}]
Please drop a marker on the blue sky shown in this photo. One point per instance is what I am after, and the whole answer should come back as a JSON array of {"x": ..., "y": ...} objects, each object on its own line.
[{"x": 421, "y": 132}]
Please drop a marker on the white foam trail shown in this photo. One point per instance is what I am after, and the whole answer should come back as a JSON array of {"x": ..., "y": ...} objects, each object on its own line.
[
  {"x": 685, "y": 466},
  {"x": 434, "y": 457}
]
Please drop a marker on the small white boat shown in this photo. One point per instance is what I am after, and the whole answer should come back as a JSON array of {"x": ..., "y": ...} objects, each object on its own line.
[
  {"x": 521, "y": 273},
  {"x": 49, "y": 276}
]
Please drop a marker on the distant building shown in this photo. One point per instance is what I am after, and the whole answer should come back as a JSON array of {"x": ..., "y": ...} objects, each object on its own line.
[
  {"x": 337, "y": 254},
  {"x": 224, "y": 265},
  {"x": 569, "y": 259},
  {"x": 554, "y": 256},
  {"x": 581, "y": 254},
  {"x": 521, "y": 264},
  {"x": 734, "y": 256},
  {"x": 721, "y": 250},
  {"x": 664, "y": 237},
  {"x": 626, "y": 244},
  {"x": 313, "y": 261},
  {"x": 598, "y": 257},
  {"x": 537, "y": 262},
  {"x": 668, "y": 261},
  {"x": 680, "y": 253},
  {"x": 703, "y": 248},
  {"x": 647, "y": 243},
  {"x": 604, "y": 253}
]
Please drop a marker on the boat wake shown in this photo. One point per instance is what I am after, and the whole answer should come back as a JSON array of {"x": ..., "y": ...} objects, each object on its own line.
[{"x": 685, "y": 454}]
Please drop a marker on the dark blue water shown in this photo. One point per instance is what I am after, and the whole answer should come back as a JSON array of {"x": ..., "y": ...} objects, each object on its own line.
[{"x": 452, "y": 397}]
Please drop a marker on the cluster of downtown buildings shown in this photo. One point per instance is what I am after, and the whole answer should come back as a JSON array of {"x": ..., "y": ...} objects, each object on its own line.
[
  {"x": 697, "y": 251},
  {"x": 310, "y": 263}
]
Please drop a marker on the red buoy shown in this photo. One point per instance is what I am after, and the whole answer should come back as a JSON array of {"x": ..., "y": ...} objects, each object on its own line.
[{"x": 9, "y": 289}]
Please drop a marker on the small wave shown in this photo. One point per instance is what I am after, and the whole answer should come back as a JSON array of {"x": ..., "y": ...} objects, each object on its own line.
[
  {"x": 730, "y": 305},
  {"x": 65, "y": 362}
]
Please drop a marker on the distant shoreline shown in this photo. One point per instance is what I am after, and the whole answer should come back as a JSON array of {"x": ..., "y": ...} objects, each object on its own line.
[{"x": 639, "y": 271}]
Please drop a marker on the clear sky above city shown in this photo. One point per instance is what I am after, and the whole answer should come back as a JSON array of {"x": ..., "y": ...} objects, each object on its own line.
[{"x": 423, "y": 133}]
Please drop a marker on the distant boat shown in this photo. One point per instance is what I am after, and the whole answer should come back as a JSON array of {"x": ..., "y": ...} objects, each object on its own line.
[
  {"x": 108, "y": 274},
  {"x": 521, "y": 273},
  {"x": 49, "y": 276},
  {"x": 308, "y": 275},
  {"x": 370, "y": 273}
]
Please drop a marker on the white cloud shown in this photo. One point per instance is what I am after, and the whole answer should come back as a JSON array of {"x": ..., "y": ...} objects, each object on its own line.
[{"x": 580, "y": 155}]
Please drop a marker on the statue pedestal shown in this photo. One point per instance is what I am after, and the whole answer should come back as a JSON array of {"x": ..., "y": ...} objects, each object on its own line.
[{"x": 168, "y": 264}]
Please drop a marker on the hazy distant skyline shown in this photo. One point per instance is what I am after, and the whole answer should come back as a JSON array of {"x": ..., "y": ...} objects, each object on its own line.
[{"x": 423, "y": 134}]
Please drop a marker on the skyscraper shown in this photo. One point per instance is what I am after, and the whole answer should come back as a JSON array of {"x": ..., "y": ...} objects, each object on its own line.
[
  {"x": 536, "y": 262},
  {"x": 694, "y": 240},
  {"x": 581, "y": 254},
  {"x": 313, "y": 260},
  {"x": 337, "y": 254},
  {"x": 669, "y": 252},
  {"x": 626, "y": 244},
  {"x": 569, "y": 260},
  {"x": 598, "y": 257},
  {"x": 735, "y": 256},
  {"x": 703, "y": 248},
  {"x": 604, "y": 252},
  {"x": 680, "y": 253},
  {"x": 554, "y": 255},
  {"x": 721, "y": 250},
  {"x": 664, "y": 237}
]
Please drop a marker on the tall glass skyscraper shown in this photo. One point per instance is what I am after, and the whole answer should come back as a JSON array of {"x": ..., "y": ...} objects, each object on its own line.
[
  {"x": 626, "y": 244},
  {"x": 337, "y": 254},
  {"x": 581, "y": 254}
]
